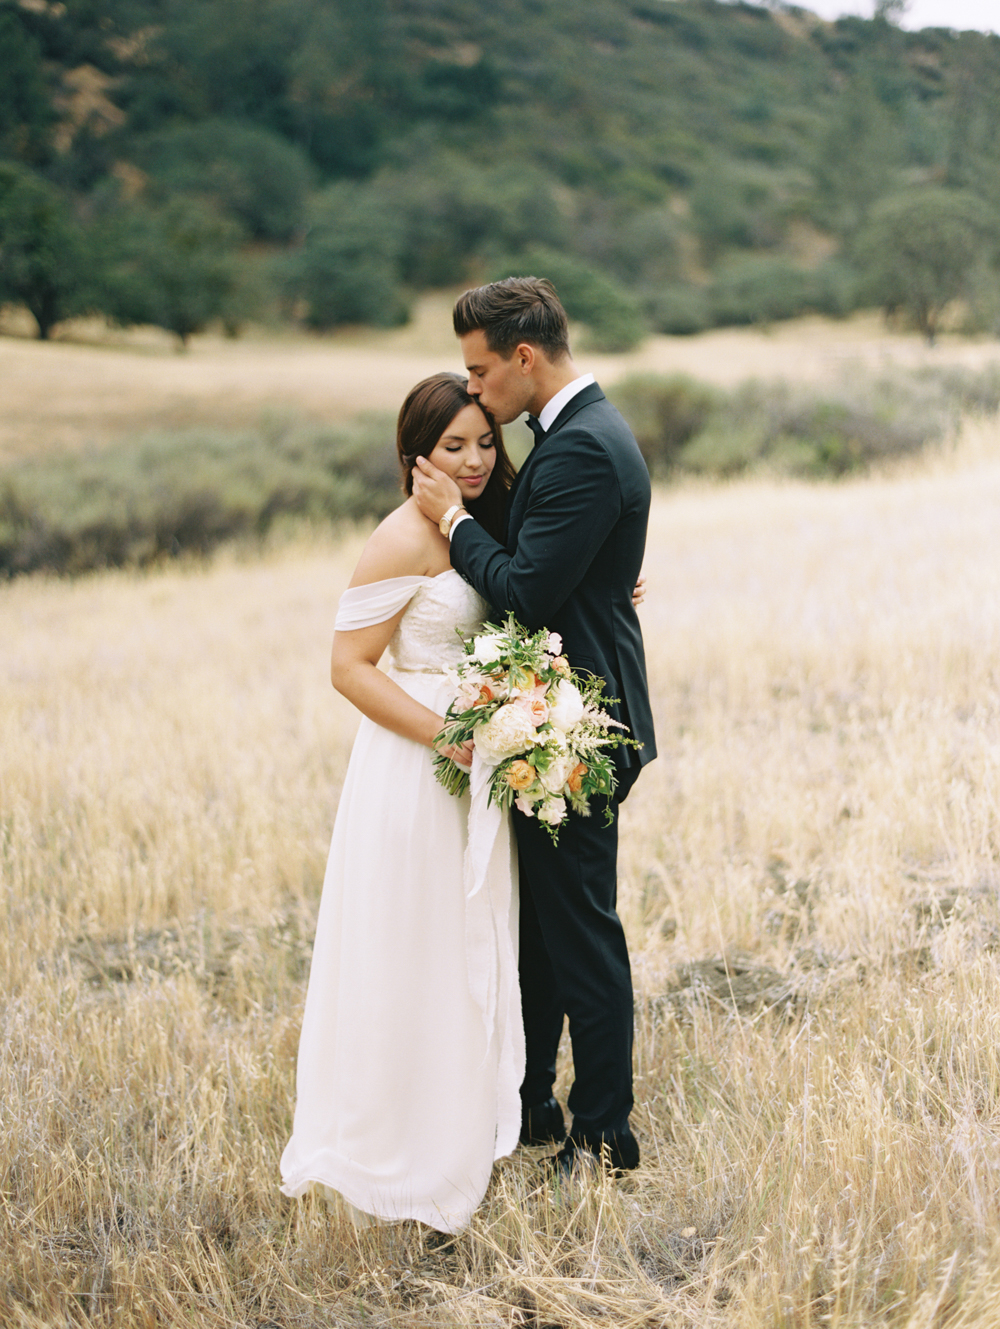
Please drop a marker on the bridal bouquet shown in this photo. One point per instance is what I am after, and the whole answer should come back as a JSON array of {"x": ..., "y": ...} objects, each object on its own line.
[{"x": 536, "y": 722}]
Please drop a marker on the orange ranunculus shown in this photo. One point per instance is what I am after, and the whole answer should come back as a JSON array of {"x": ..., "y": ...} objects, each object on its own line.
[
  {"x": 575, "y": 780},
  {"x": 561, "y": 665},
  {"x": 485, "y": 696},
  {"x": 520, "y": 774}
]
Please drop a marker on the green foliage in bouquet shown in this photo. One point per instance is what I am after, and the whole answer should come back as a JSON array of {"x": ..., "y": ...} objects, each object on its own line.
[{"x": 538, "y": 723}]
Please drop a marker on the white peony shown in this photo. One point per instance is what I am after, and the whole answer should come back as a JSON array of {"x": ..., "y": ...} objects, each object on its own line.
[
  {"x": 558, "y": 773},
  {"x": 565, "y": 705},
  {"x": 487, "y": 649},
  {"x": 553, "y": 811},
  {"x": 509, "y": 732}
]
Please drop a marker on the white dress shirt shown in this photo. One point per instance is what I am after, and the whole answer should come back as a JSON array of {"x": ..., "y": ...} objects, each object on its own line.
[
  {"x": 547, "y": 415},
  {"x": 546, "y": 418}
]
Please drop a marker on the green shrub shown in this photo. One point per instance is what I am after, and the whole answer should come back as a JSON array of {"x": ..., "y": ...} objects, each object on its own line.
[
  {"x": 46, "y": 259},
  {"x": 678, "y": 310},
  {"x": 924, "y": 248},
  {"x": 764, "y": 290},
  {"x": 664, "y": 413},
  {"x": 639, "y": 247},
  {"x": 737, "y": 207},
  {"x": 795, "y": 429},
  {"x": 833, "y": 289},
  {"x": 175, "y": 266},
  {"x": 254, "y": 176},
  {"x": 802, "y": 431},
  {"x": 187, "y": 492},
  {"x": 347, "y": 270},
  {"x": 759, "y": 290},
  {"x": 453, "y": 214}
]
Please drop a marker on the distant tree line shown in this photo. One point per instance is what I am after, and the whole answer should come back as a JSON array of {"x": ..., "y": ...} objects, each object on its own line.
[{"x": 671, "y": 165}]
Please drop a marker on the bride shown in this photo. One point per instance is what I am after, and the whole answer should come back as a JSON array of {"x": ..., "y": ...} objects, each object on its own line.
[{"x": 412, "y": 1049}]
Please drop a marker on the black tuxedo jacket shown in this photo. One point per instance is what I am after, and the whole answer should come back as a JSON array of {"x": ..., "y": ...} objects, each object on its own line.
[{"x": 576, "y": 532}]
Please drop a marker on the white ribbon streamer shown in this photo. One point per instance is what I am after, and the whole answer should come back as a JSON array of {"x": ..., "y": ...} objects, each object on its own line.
[{"x": 486, "y": 928}]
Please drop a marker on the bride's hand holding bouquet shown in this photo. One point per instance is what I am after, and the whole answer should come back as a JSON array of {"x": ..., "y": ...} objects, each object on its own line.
[{"x": 537, "y": 723}]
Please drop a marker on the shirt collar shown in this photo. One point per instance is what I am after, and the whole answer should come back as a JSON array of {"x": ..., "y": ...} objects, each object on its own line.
[{"x": 547, "y": 415}]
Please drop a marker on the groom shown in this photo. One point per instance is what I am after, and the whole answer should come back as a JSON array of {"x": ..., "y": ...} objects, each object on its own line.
[{"x": 572, "y": 552}]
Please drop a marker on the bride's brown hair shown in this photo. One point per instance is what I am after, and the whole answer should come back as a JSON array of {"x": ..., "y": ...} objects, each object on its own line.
[{"x": 424, "y": 416}]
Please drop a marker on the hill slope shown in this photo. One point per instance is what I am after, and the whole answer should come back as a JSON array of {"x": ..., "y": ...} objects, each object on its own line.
[{"x": 655, "y": 141}]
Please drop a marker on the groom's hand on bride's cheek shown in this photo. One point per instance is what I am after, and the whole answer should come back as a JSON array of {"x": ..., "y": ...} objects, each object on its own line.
[{"x": 434, "y": 491}]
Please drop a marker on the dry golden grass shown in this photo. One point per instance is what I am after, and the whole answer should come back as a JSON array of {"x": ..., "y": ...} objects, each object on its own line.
[
  {"x": 93, "y": 385},
  {"x": 818, "y": 1111}
]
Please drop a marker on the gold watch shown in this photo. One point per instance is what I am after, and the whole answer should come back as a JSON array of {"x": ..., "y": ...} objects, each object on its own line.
[{"x": 444, "y": 525}]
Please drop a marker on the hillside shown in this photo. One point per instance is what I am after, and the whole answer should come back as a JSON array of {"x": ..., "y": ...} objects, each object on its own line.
[{"x": 683, "y": 161}]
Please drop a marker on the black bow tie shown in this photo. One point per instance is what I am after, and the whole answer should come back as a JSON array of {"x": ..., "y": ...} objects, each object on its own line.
[{"x": 535, "y": 425}]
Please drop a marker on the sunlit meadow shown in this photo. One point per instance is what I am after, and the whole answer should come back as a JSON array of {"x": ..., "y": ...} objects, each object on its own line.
[{"x": 809, "y": 880}]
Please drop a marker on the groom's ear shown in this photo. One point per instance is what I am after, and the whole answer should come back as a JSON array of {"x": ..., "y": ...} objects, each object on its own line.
[{"x": 526, "y": 356}]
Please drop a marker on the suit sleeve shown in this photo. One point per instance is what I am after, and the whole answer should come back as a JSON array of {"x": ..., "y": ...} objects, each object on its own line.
[{"x": 573, "y": 503}]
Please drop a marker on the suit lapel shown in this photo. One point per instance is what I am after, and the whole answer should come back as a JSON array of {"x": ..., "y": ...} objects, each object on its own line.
[{"x": 585, "y": 397}]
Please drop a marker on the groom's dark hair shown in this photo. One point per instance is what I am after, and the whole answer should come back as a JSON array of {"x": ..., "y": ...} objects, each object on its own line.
[{"x": 515, "y": 310}]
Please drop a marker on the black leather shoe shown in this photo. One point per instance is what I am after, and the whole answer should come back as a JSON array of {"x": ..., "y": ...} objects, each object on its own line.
[
  {"x": 543, "y": 1124},
  {"x": 616, "y": 1155}
]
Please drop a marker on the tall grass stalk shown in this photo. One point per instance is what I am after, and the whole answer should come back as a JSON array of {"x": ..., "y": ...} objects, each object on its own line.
[{"x": 809, "y": 882}]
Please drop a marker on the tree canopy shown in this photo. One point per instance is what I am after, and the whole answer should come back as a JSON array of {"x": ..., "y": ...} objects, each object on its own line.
[
  {"x": 44, "y": 263},
  {"x": 926, "y": 248}
]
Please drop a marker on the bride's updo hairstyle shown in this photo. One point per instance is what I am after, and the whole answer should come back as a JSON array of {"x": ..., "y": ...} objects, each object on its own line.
[{"x": 424, "y": 417}]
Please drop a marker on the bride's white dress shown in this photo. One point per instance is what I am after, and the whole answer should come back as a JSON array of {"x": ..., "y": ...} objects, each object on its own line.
[{"x": 412, "y": 1048}]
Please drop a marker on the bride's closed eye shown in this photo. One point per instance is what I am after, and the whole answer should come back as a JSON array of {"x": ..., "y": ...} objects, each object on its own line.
[{"x": 483, "y": 446}]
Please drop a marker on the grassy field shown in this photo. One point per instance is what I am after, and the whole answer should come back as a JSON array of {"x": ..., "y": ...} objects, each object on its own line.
[{"x": 809, "y": 882}]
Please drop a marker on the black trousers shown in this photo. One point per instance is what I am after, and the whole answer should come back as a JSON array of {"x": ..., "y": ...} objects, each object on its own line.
[{"x": 574, "y": 961}]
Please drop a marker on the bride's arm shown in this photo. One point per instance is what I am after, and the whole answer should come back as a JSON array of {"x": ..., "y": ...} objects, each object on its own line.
[
  {"x": 397, "y": 548},
  {"x": 354, "y": 673}
]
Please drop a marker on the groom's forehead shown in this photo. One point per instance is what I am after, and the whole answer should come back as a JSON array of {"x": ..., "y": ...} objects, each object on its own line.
[
  {"x": 475, "y": 348},
  {"x": 477, "y": 354}
]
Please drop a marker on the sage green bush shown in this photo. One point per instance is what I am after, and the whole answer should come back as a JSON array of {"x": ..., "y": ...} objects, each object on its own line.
[
  {"x": 664, "y": 412},
  {"x": 683, "y": 426},
  {"x": 188, "y": 491}
]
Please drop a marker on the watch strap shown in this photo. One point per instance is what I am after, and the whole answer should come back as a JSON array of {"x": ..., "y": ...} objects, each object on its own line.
[{"x": 444, "y": 525}]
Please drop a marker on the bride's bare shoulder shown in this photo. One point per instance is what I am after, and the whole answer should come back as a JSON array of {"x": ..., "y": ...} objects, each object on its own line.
[{"x": 405, "y": 544}]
